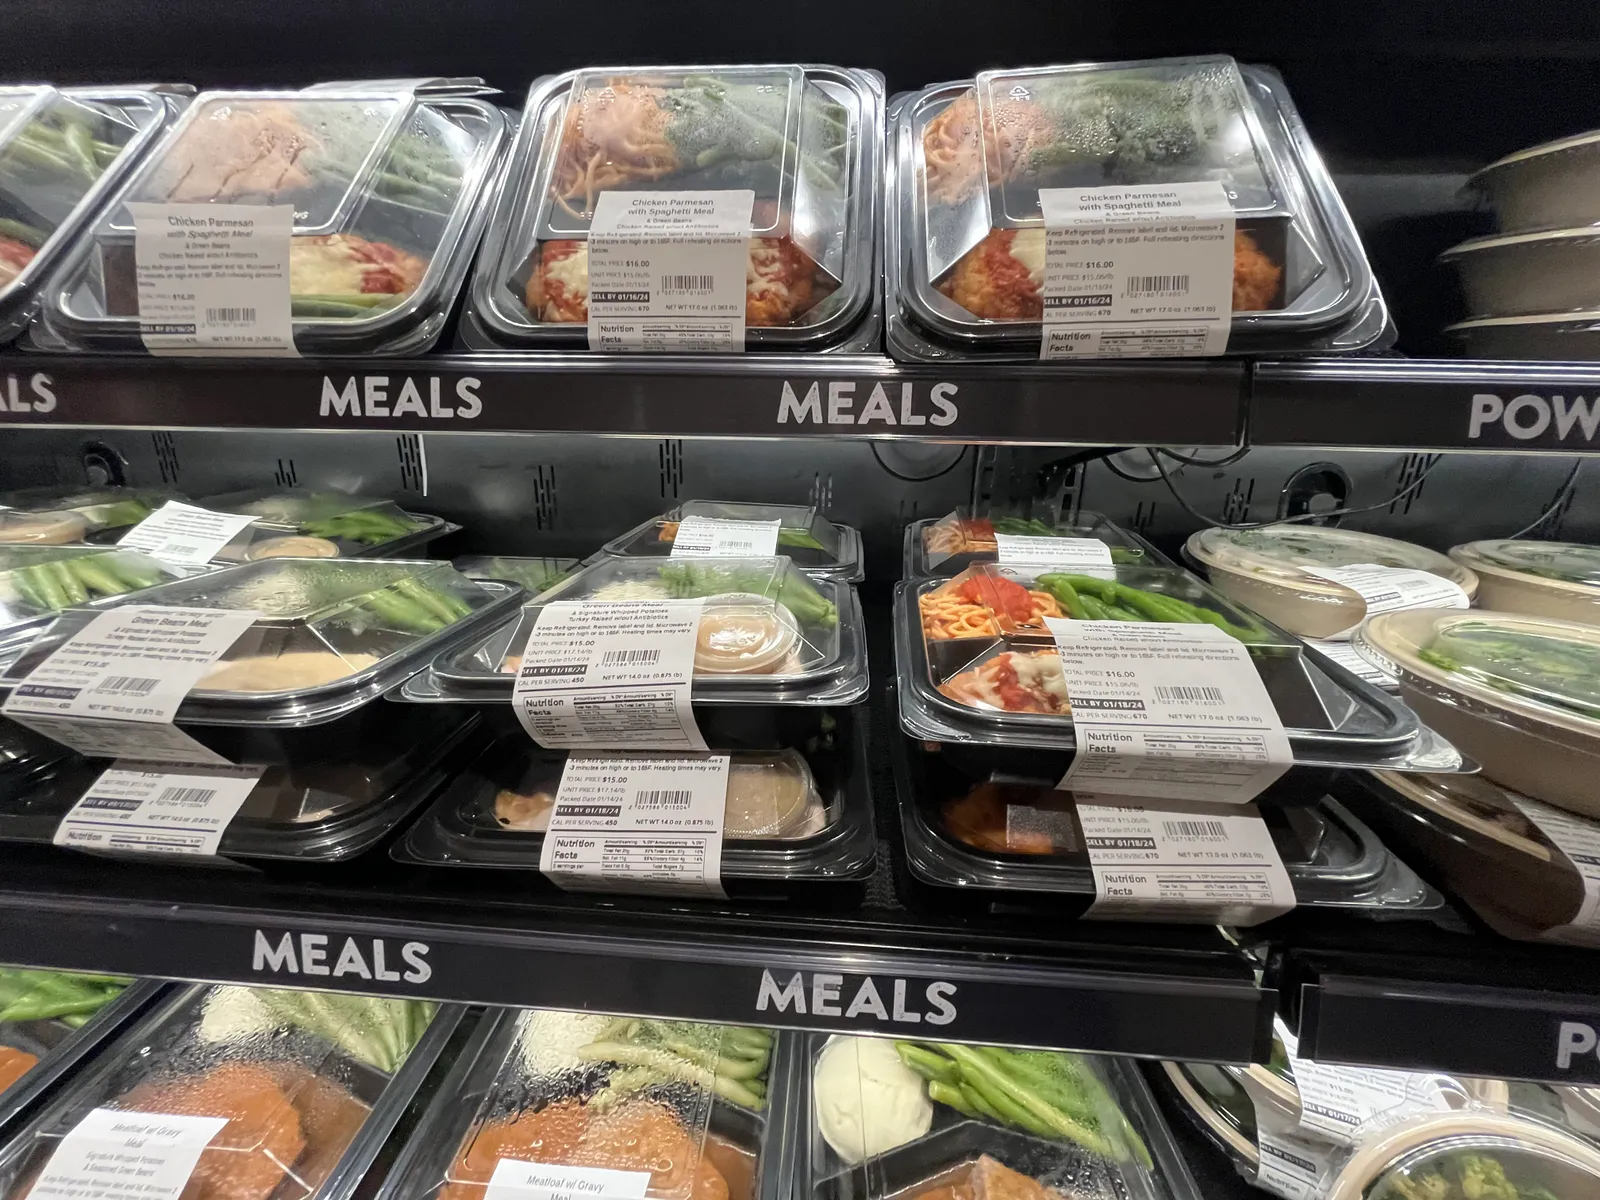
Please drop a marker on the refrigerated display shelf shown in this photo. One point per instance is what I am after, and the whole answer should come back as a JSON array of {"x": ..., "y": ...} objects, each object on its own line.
[{"x": 1376, "y": 402}]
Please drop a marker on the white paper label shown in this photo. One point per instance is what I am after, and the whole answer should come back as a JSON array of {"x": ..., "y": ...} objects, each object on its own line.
[
  {"x": 713, "y": 537},
  {"x": 1167, "y": 712},
  {"x": 1170, "y": 860},
  {"x": 115, "y": 1155},
  {"x": 1345, "y": 655},
  {"x": 214, "y": 279},
  {"x": 1385, "y": 589},
  {"x": 1339, "y": 1104},
  {"x": 597, "y": 675},
  {"x": 639, "y": 824},
  {"x": 1142, "y": 271},
  {"x": 1291, "y": 1167},
  {"x": 514, "y": 1179},
  {"x": 1052, "y": 551},
  {"x": 667, "y": 271},
  {"x": 112, "y": 688},
  {"x": 147, "y": 808},
  {"x": 183, "y": 534},
  {"x": 1579, "y": 840}
]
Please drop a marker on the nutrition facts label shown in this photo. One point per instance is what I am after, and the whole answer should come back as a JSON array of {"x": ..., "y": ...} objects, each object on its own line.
[
  {"x": 614, "y": 676},
  {"x": 144, "y": 808},
  {"x": 1187, "y": 861},
  {"x": 638, "y": 823},
  {"x": 713, "y": 537}
]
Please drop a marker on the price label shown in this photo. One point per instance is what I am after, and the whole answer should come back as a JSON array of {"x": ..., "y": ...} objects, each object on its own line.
[
  {"x": 1167, "y": 712},
  {"x": 667, "y": 271},
  {"x": 116, "y": 1155},
  {"x": 596, "y": 675},
  {"x": 713, "y": 537},
  {"x": 145, "y": 808},
  {"x": 639, "y": 824},
  {"x": 183, "y": 534}
]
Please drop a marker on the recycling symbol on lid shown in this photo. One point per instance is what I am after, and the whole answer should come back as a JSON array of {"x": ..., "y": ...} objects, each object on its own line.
[{"x": 1018, "y": 92}]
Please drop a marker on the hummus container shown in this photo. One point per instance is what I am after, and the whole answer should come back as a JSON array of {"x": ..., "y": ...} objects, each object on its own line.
[
  {"x": 298, "y": 523},
  {"x": 965, "y": 244},
  {"x": 811, "y": 542},
  {"x": 806, "y": 139},
  {"x": 1560, "y": 580},
  {"x": 1565, "y": 336},
  {"x": 105, "y": 513},
  {"x": 1517, "y": 274},
  {"x": 42, "y": 528},
  {"x": 387, "y": 181},
  {"x": 1481, "y": 845},
  {"x": 1269, "y": 570},
  {"x": 1516, "y": 693},
  {"x": 797, "y": 820},
  {"x": 1555, "y": 185},
  {"x": 950, "y": 544}
]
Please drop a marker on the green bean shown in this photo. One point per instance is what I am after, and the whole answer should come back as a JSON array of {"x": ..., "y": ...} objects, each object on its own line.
[
  {"x": 50, "y": 590},
  {"x": 927, "y": 1063},
  {"x": 951, "y": 1095},
  {"x": 70, "y": 583}
]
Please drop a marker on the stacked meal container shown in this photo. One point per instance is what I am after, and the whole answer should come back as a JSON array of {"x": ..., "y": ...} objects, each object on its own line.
[
  {"x": 984, "y": 818},
  {"x": 780, "y": 673}
]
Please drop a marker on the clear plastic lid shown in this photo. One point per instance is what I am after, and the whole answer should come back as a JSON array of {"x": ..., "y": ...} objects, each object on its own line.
[
  {"x": 1476, "y": 806},
  {"x": 1533, "y": 672},
  {"x": 307, "y": 524},
  {"x": 47, "y": 1020},
  {"x": 40, "y": 581},
  {"x": 801, "y": 138},
  {"x": 41, "y": 528},
  {"x": 98, "y": 507},
  {"x": 296, "y": 1075},
  {"x": 811, "y": 541},
  {"x": 1285, "y": 554},
  {"x": 535, "y": 574},
  {"x": 767, "y": 631},
  {"x": 1546, "y": 579},
  {"x": 912, "y": 1119},
  {"x": 323, "y": 624},
  {"x": 966, "y": 536}
]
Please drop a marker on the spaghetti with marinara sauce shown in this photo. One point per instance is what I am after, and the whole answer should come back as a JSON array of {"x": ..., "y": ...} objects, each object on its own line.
[
  {"x": 967, "y": 608},
  {"x": 611, "y": 137}
]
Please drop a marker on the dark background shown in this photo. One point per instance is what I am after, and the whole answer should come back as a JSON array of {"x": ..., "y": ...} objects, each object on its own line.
[{"x": 1404, "y": 97}]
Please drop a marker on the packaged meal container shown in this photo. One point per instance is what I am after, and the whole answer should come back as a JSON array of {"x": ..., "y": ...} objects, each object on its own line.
[
  {"x": 1524, "y": 274},
  {"x": 297, "y": 687},
  {"x": 536, "y": 575},
  {"x": 1542, "y": 579},
  {"x": 966, "y": 248},
  {"x": 811, "y": 542},
  {"x": 992, "y": 840},
  {"x": 796, "y": 820},
  {"x": 807, "y": 140},
  {"x": 978, "y": 667},
  {"x": 950, "y": 544},
  {"x": 299, "y": 523},
  {"x": 769, "y": 635},
  {"x": 1549, "y": 186},
  {"x": 700, "y": 1108},
  {"x": 61, "y": 153},
  {"x": 52, "y": 1020},
  {"x": 1567, "y": 336},
  {"x": 1272, "y": 570},
  {"x": 1521, "y": 695},
  {"x": 39, "y": 582},
  {"x": 310, "y": 1087},
  {"x": 89, "y": 514},
  {"x": 1216, "y": 1103},
  {"x": 24, "y": 755},
  {"x": 320, "y": 808},
  {"x": 387, "y": 183},
  {"x": 898, "y": 1118}
]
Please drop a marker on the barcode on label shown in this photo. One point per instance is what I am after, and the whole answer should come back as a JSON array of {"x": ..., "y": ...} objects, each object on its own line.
[
  {"x": 178, "y": 548},
  {"x": 741, "y": 547},
  {"x": 1158, "y": 285},
  {"x": 687, "y": 283},
  {"x": 127, "y": 685},
  {"x": 617, "y": 658},
  {"x": 1191, "y": 695},
  {"x": 183, "y": 795},
  {"x": 1196, "y": 829},
  {"x": 662, "y": 798},
  {"x": 230, "y": 316}
]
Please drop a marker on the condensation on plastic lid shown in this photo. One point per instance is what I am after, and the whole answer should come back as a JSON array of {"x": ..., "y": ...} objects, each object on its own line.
[
  {"x": 1565, "y": 565},
  {"x": 771, "y": 796}
]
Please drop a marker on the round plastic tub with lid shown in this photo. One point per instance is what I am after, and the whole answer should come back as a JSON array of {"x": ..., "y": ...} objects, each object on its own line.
[
  {"x": 996, "y": 841},
  {"x": 1521, "y": 274},
  {"x": 61, "y": 153},
  {"x": 979, "y": 671},
  {"x": 100, "y": 514},
  {"x": 310, "y": 1089},
  {"x": 806, "y": 139},
  {"x": 966, "y": 245},
  {"x": 1550, "y": 186},
  {"x": 600, "y": 1093},
  {"x": 1521, "y": 695},
  {"x": 1271, "y": 570},
  {"x": 333, "y": 635},
  {"x": 1482, "y": 845},
  {"x": 950, "y": 544},
  {"x": 808, "y": 539},
  {"x": 387, "y": 183},
  {"x": 297, "y": 523},
  {"x": 797, "y": 820},
  {"x": 1565, "y": 336},
  {"x": 770, "y": 636},
  {"x": 1542, "y": 579}
]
